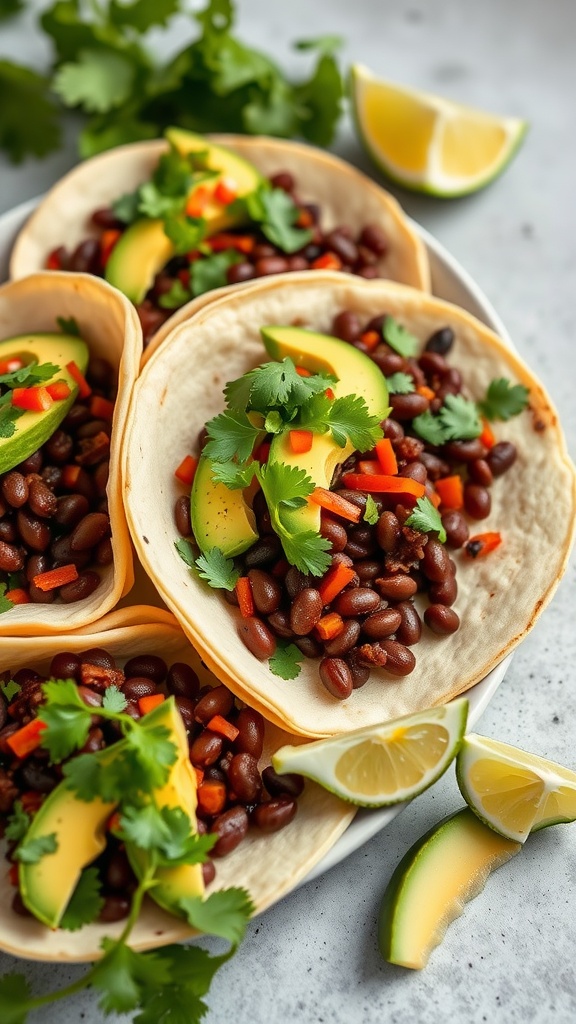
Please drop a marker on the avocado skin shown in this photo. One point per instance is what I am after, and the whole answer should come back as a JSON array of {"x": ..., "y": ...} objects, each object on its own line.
[
  {"x": 143, "y": 249},
  {"x": 46, "y": 886},
  {"x": 33, "y": 429}
]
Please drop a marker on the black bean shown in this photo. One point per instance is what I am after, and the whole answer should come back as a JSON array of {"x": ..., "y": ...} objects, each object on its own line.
[
  {"x": 14, "y": 489},
  {"x": 280, "y": 623},
  {"x": 306, "y": 611},
  {"x": 89, "y": 531},
  {"x": 382, "y": 623},
  {"x": 399, "y": 659},
  {"x": 284, "y": 784},
  {"x": 436, "y": 561},
  {"x": 500, "y": 457},
  {"x": 477, "y": 501},
  {"x": 218, "y": 700},
  {"x": 406, "y": 407},
  {"x": 310, "y": 647},
  {"x": 360, "y": 673},
  {"x": 336, "y": 677},
  {"x": 41, "y": 500},
  {"x": 445, "y": 592},
  {"x": 334, "y": 532},
  {"x": 244, "y": 778},
  {"x": 373, "y": 237},
  {"x": 150, "y": 665},
  {"x": 388, "y": 531},
  {"x": 410, "y": 629},
  {"x": 264, "y": 552},
  {"x": 60, "y": 445},
  {"x": 465, "y": 451},
  {"x": 456, "y": 527},
  {"x": 266, "y": 591},
  {"x": 186, "y": 706},
  {"x": 81, "y": 588},
  {"x": 182, "y": 515},
  {"x": 115, "y": 908},
  {"x": 34, "y": 532},
  {"x": 344, "y": 247},
  {"x": 397, "y": 587},
  {"x": 137, "y": 687},
  {"x": 479, "y": 471},
  {"x": 441, "y": 619},
  {"x": 65, "y": 665},
  {"x": 345, "y": 641},
  {"x": 441, "y": 341},
  {"x": 360, "y": 601},
  {"x": 274, "y": 814},
  {"x": 11, "y": 557},
  {"x": 182, "y": 680},
  {"x": 347, "y": 326},
  {"x": 206, "y": 749},
  {"x": 230, "y": 827},
  {"x": 250, "y": 738}
]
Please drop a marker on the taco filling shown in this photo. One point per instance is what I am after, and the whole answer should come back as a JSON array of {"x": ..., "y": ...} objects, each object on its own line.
[
  {"x": 207, "y": 218},
  {"x": 329, "y": 496},
  {"x": 56, "y": 409},
  {"x": 84, "y": 761}
]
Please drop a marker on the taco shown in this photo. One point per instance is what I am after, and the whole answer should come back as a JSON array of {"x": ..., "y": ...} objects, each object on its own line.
[
  {"x": 235, "y": 208},
  {"x": 95, "y": 658},
  {"x": 504, "y": 554},
  {"x": 70, "y": 348}
]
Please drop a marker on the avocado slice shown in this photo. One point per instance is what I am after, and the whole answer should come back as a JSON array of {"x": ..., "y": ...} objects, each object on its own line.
[
  {"x": 80, "y": 829},
  {"x": 143, "y": 249},
  {"x": 438, "y": 875},
  {"x": 356, "y": 374},
  {"x": 221, "y": 518},
  {"x": 32, "y": 429}
]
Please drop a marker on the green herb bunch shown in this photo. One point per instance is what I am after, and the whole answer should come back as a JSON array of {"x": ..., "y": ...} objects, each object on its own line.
[
  {"x": 166, "y": 984},
  {"x": 103, "y": 69}
]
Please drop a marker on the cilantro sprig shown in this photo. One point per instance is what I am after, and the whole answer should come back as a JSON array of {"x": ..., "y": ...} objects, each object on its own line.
[
  {"x": 426, "y": 517},
  {"x": 105, "y": 71},
  {"x": 457, "y": 420},
  {"x": 504, "y": 400},
  {"x": 167, "y": 984}
]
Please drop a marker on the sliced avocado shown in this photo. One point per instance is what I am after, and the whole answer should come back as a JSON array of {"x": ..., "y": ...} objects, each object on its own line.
[
  {"x": 221, "y": 517},
  {"x": 356, "y": 375},
  {"x": 32, "y": 429},
  {"x": 179, "y": 791},
  {"x": 438, "y": 875},
  {"x": 144, "y": 249},
  {"x": 79, "y": 827}
]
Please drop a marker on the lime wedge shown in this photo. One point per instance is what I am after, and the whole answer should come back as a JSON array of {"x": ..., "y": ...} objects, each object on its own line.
[
  {"x": 427, "y": 143},
  {"x": 512, "y": 791},
  {"x": 382, "y": 764}
]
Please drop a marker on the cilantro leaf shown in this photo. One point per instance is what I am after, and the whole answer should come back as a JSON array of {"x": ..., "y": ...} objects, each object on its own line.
[
  {"x": 429, "y": 428},
  {"x": 143, "y": 15},
  {"x": 8, "y": 689},
  {"x": 231, "y": 435},
  {"x": 274, "y": 385},
  {"x": 105, "y": 131},
  {"x": 152, "y": 752},
  {"x": 27, "y": 376},
  {"x": 18, "y": 823},
  {"x": 15, "y": 999},
  {"x": 185, "y": 233},
  {"x": 85, "y": 903},
  {"x": 67, "y": 719},
  {"x": 399, "y": 338},
  {"x": 459, "y": 418},
  {"x": 225, "y": 913},
  {"x": 178, "y": 295},
  {"x": 400, "y": 384},
  {"x": 97, "y": 81},
  {"x": 233, "y": 475},
  {"x": 211, "y": 271},
  {"x": 153, "y": 203},
  {"x": 32, "y": 850},
  {"x": 349, "y": 420},
  {"x": 371, "y": 514},
  {"x": 504, "y": 400},
  {"x": 29, "y": 117},
  {"x": 320, "y": 98},
  {"x": 308, "y": 551},
  {"x": 286, "y": 488},
  {"x": 186, "y": 552},
  {"x": 10, "y": 7},
  {"x": 426, "y": 518},
  {"x": 126, "y": 207},
  {"x": 285, "y": 662},
  {"x": 69, "y": 325},
  {"x": 5, "y": 603},
  {"x": 217, "y": 570},
  {"x": 114, "y": 699},
  {"x": 120, "y": 976},
  {"x": 277, "y": 213}
]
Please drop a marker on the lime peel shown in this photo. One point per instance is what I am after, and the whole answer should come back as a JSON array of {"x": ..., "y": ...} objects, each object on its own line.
[
  {"x": 428, "y": 143},
  {"x": 383, "y": 764}
]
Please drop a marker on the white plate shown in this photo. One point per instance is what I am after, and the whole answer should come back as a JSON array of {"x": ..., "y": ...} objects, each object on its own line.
[{"x": 449, "y": 281}]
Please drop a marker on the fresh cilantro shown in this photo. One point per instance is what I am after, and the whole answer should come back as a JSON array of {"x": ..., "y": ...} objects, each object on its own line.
[
  {"x": 153, "y": 203},
  {"x": 114, "y": 699},
  {"x": 459, "y": 419},
  {"x": 234, "y": 475},
  {"x": 231, "y": 434},
  {"x": 69, "y": 325},
  {"x": 285, "y": 662},
  {"x": 16, "y": 1000},
  {"x": 276, "y": 213},
  {"x": 142, "y": 15},
  {"x": 9, "y": 688},
  {"x": 185, "y": 233},
  {"x": 167, "y": 832},
  {"x": 18, "y": 823},
  {"x": 9, "y": 414},
  {"x": 177, "y": 295},
  {"x": 429, "y": 428},
  {"x": 123, "y": 976},
  {"x": 5, "y": 603},
  {"x": 32, "y": 850},
  {"x": 426, "y": 518},
  {"x": 274, "y": 385},
  {"x": 98, "y": 81},
  {"x": 85, "y": 903},
  {"x": 224, "y": 913},
  {"x": 211, "y": 271},
  {"x": 29, "y": 375},
  {"x": 105, "y": 131},
  {"x": 217, "y": 570},
  {"x": 349, "y": 419},
  {"x": 400, "y": 384},
  {"x": 186, "y": 552},
  {"x": 126, "y": 207},
  {"x": 274, "y": 422},
  {"x": 321, "y": 96},
  {"x": 67, "y": 719},
  {"x": 10, "y": 7},
  {"x": 399, "y": 338},
  {"x": 286, "y": 488},
  {"x": 504, "y": 400},
  {"x": 28, "y": 114},
  {"x": 371, "y": 514}
]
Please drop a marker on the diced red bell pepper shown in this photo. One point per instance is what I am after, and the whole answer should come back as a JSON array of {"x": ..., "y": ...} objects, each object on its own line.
[
  {"x": 35, "y": 399},
  {"x": 185, "y": 472},
  {"x": 59, "y": 390},
  {"x": 226, "y": 191}
]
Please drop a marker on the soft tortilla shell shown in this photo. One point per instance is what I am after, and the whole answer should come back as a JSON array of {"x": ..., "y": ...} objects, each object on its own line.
[
  {"x": 499, "y": 597},
  {"x": 268, "y": 866},
  {"x": 346, "y": 195},
  {"x": 110, "y": 326}
]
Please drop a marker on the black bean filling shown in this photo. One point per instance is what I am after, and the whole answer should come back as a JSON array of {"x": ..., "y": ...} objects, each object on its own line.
[
  {"x": 337, "y": 249},
  {"x": 233, "y": 793},
  {"x": 53, "y": 506},
  {"x": 391, "y": 561}
]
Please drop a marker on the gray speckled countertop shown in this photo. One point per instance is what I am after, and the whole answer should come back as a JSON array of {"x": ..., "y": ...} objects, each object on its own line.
[{"x": 511, "y": 958}]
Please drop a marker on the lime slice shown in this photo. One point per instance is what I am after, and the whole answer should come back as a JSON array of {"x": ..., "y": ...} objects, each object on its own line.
[
  {"x": 433, "y": 881},
  {"x": 382, "y": 764},
  {"x": 512, "y": 791},
  {"x": 427, "y": 143}
]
